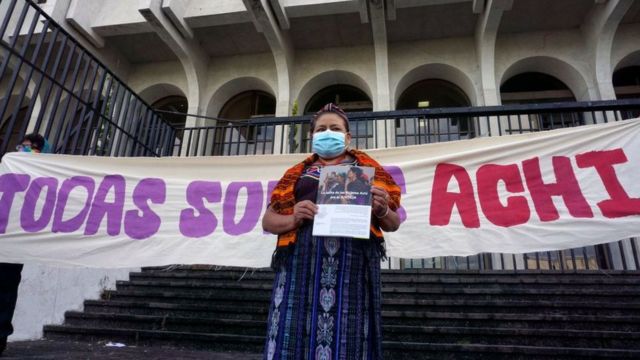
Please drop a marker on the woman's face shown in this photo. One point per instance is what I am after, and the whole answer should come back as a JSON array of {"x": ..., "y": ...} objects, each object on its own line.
[
  {"x": 351, "y": 175},
  {"x": 332, "y": 122},
  {"x": 26, "y": 146}
]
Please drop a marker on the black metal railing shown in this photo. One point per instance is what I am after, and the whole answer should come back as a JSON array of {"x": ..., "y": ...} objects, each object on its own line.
[
  {"x": 50, "y": 84},
  {"x": 277, "y": 135}
]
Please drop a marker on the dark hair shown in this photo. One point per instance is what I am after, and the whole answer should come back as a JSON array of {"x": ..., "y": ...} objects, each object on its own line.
[
  {"x": 37, "y": 141},
  {"x": 356, "y": 170},
  {"x": 330, "y": 108}
]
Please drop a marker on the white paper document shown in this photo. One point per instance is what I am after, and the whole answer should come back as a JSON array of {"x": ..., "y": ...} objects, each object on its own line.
[{"x": 344, "y": 202}]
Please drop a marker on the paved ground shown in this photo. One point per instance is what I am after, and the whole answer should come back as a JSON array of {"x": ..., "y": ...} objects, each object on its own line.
[{"x": 49, "y": 349}]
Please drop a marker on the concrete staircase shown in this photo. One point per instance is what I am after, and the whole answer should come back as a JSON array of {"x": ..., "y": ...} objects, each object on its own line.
[{"x": 427, "y": 314}]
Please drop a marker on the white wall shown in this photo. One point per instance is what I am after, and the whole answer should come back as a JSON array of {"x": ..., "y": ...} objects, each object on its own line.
[
  {"x": 231, "y": 75},
  {"x": 625, "y": 43},
  {"x": 46, "y": 292},
  {"x": 144, "y": 76},
  {"x": 313, "y": 71},
  {"x": 421, "y": 60},
  {"x": 562, "y": 54}
]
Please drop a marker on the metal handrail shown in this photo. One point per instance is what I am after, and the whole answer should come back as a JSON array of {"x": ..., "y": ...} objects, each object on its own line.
[{"x": 470, "y": 111}]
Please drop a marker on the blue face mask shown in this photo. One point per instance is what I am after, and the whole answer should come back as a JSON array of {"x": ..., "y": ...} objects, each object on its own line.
[{"x": 329, "y": 144}]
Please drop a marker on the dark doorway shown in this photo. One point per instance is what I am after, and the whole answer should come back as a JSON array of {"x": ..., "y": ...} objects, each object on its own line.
[
  {"x": 348, "y": 97},
  {"x": 536, "y": 88},
  {"x": 175, "y": 106},
  {"x": 239, "y": 137},
  {"x": 626, "y": 83},
  {"x": 437, "y": 93},
  {"x": 432, "y": 93}
]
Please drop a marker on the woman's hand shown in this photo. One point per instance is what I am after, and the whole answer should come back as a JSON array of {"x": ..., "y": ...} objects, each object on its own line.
[
  {"x": 380, "y": 201},
  {"x": 386, "y": 217},
  {"x": 304, "y": 210},
  {"x": 278, "y": 224}
]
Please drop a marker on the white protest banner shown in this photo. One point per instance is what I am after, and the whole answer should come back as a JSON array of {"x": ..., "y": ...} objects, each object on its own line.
[{"x": 522, "y": 193}]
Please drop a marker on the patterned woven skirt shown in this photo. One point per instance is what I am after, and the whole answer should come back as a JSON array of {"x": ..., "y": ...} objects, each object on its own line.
[{"x": 326, "y": 301}]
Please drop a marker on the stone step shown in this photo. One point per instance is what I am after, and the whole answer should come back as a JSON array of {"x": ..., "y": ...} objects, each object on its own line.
[
  {"x": 182, "y": 285},
  {"x": 520, "y": 272},
  {"x": 134, "y": 337},
  {"x": 537, "y": 320},
  {"x": 166, "y": 323},
  {"x": 432, "y": 334},
  {"x": 228, "y": 292},
  {"x": 627, "y": 290},
  {"x": 507, "y": 336},
  {"x": 421, "y": 318},
  {"x": 532, "y": 294},
  {"x": 397, "y": 304},
  {"x": 631, "y": 292},
  {"x": 393, "y": 349},
  {"x": 421, "y": 271},
  {"x": 515, "y": 321},
  {"x": 402, "y": 350},
  {"x": 410, "y": 280},
  {"x": 426, "y": 314},
  {"x": 202, "y": 268},
  {"x": 440, "y": 319},
  {"x": 167, "y": 309},
  {"x": 250, "y": 299},
  {"x": 513, "y": 307},
  {"x": 427, "y": 301},
  {"x": 229, "y": 276},
  {"x": 537, "y": 279},
  {"x": 605, "y": 278},
  {"x": 435, "y": 292}
]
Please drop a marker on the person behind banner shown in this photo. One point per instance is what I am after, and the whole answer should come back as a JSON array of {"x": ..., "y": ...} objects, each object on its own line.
[
  {"x": 10, "y": 274},
  {"x": 326, "y": 293}
]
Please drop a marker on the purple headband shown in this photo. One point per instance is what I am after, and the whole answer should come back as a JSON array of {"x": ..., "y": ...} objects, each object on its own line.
[{"x": 331, "y": 108}]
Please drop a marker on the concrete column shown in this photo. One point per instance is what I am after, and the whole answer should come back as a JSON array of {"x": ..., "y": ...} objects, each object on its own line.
[
  {"x": 188, "y": 51},
  {"x": 599, "y": 30},
  {"x": 193, "y": 60},
  {"x": 77, "y": 17},
  {"x": 382, "y": 100},
  {"x": 175, "y": 10},
  {"x": 485, "y": 37},
  {"x": 385, "y": 129},
  {"x": 267, "y": 23},
  {"x": 81, "y": 15}
]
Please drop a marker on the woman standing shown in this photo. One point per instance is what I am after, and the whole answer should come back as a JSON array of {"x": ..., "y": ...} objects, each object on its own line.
[{"x": 326, "y": 295}]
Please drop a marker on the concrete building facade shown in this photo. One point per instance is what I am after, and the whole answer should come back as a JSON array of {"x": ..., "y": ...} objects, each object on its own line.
[{"x": 208, "y": 52}]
